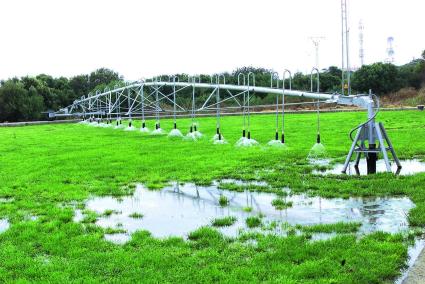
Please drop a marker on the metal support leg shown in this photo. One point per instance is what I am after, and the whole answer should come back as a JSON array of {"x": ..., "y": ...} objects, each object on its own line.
[
  {"x": 382, "y": 146},
  {"x": 358, "y": 156},
  {"x": 350, "y": 154},
  {"x": 390, "y": 145},
  {"x": 371, "y": 158}
]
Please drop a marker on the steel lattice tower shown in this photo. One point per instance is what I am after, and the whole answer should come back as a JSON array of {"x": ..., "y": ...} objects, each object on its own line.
[{"x": 390, "y": 50}]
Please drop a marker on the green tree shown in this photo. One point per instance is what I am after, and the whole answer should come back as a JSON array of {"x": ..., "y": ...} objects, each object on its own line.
[
  {"x": 16, "y": 103},
  {"x": 410, "y": 74},
  {"x": 301, "y": 82},
  {"x": 80, "y": 85},
  {"x": 102, "y": 76},
  {"x": 330, "y": 80},
  {"x": 382, "y": 78},
  {"x": 11, "y": 96},
  {"x": 33, "y": 105}
]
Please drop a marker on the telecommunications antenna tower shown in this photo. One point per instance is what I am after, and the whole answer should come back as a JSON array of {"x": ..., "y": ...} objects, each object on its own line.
[
  {"x": 316, "y": 41},
  {"x": 361, "y": 49},
  {"x": 390, "y": 50},
  {"x": 345, "y": 63}
]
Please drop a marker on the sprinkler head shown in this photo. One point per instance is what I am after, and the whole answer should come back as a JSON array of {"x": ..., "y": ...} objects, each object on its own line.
[
  {"x": 129, "y": 124},
  {"x": 219, "y": 136},
  {"x": 195, "y": 127},
  {"x": 283, "y": 138},
  {"x": 243, "y": 133},
  {"x": 318, "y": 138},
  {"x": 218, "y": 131},
  {"x": 191, "y": 129},
  {"x": 117, "y": 123},
  {"x": 175, "y": 125},
  {"x": 249, "y": 135},
  {"x": 143, "y": 124},
  {"x": 277, "y": 136}
]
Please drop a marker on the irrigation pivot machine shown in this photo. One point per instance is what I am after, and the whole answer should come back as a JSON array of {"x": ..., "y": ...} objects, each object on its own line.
[{"x": 158, "y": 97}]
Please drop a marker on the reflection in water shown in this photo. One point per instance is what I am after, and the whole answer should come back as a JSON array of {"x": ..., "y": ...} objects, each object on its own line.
[
  {"x": 180, "y": 209},
  {"x": 409, "y": 167}
]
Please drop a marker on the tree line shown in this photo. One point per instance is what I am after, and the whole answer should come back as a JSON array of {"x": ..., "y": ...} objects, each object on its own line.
[{"x": 26, "y": 98}]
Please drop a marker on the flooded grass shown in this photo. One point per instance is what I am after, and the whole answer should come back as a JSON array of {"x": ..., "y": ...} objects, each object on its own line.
[
  {"x": 111, "y": 231},
  {"x": 223, "y": 201},
  {"x": 136, "y": 215},
  {"x": 281, "y": 204},
  {"x": 340, "y": 228},
  {"x": 253, "y": 221},
  {"x": 247, "y": 209},
  {"x": 224, "y": 221},
  {"x": 43, "y": 166},
  {"x": 180, "y": 209},
  {"x": 109, "y": 212}
]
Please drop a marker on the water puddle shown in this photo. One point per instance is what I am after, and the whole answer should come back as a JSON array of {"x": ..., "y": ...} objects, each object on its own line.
[
  {"x": 244, "y": 183},
  {"x": 409, "y": 167},
  {"x": 179, "y": 209},
  {"x": 319, "y": 162},
  {"x": 4, "y": 225},
  {"x": 6, "y": 199},
  {"x": 31, "y": 218}
]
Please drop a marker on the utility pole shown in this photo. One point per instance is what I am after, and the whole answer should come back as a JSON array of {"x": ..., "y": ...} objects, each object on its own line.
[{"x": 345, "y": 64}]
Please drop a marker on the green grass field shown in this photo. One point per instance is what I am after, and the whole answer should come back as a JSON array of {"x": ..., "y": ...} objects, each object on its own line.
[{"x": 43, "y": 168}]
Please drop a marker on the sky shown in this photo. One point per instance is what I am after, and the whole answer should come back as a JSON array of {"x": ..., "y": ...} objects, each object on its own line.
[{"x": 140, "y": 39}]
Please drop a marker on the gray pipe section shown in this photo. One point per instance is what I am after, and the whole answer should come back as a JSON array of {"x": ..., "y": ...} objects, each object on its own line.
[{"x": 265, "y": 90}]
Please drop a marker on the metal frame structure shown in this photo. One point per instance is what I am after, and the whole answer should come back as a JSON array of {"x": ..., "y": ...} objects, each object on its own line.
[
  {"x": 143, "y": 98},
  {"x": 370, "y": 131}
]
